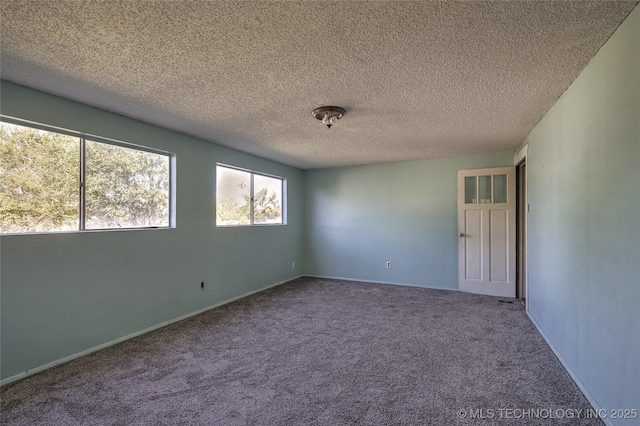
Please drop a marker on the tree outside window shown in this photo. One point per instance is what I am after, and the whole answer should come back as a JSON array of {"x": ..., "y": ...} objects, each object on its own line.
[
  {"x": 44, "y": 188},
  {"x": 247, "y": 198}
]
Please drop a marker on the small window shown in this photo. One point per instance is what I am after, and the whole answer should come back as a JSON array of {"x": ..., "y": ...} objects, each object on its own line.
[
  {"x": 479, "y": 189},
  {"x": 499, "y": 188},
  {"x": 245, "y": 197},
  {"x": 470, "y": 189},
  {"x": 52, "y": 182},
  {"x": 484, "y": 189}
]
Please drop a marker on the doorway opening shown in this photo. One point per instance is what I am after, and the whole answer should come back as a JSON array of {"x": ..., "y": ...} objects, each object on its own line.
[{"x": 522, "y": 208}]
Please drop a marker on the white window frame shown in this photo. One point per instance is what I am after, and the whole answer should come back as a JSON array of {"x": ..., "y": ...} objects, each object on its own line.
[
  {"x": 283, "y": 207},
  {"x": 83, "y": 138}
]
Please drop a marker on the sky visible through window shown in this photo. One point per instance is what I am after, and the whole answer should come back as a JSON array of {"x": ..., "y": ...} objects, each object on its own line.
[{"x": 234, "y": 200}]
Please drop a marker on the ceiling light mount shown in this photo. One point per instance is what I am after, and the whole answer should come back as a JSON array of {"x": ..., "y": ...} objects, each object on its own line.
[{"x": 328, "y": 114}]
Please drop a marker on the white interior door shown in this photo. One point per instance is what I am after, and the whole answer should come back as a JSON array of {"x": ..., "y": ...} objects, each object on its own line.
[{"x": 487, "y": 231}]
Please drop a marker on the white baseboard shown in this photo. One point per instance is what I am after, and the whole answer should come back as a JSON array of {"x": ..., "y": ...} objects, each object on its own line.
[
  {"x": 132, "y": 335},
  {"x": 575, "y": 378},
  {"x": 326, "y": 277}
]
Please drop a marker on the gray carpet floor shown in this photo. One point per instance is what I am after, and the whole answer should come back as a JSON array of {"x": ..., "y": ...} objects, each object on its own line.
[{"x": 316, "y": 352}]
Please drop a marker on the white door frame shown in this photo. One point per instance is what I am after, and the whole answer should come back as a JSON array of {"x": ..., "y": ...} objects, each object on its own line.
[{"x": 518, "y": 159}]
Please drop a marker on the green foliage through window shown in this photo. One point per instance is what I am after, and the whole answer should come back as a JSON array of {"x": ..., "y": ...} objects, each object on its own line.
[
  {"x": 125, "y": 188},
  {"x": 247, "y": 198},
  {"x": 44, "y": 188}
]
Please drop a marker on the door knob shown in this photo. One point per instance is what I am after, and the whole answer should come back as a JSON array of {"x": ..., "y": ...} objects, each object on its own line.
[{"x": 462, "y": 234}]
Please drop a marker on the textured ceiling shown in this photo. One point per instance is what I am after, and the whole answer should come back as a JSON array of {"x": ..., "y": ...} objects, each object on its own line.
[{"x": 418, "y": 79}]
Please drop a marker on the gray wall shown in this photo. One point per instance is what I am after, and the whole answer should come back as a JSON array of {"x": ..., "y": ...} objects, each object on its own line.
[
  {"x": 584, "y": 236},
  {"x": 359, "y": 217},
  {"x": 66, "y": 293}
]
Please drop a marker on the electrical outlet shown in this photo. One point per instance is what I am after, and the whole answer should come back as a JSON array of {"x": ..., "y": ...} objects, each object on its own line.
[
  {"x": 293, "y": 265},
  {"x": 388, "y": 264}
]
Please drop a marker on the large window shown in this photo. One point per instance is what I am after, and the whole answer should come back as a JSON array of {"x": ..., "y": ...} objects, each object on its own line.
[
  {"x": 51, "y": 182},
  {"x": 244, "y": 197}
]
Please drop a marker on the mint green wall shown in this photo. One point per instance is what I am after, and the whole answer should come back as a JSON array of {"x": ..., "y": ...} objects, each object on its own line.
[
  {"x": 62, "y": 294},
  {"x": 359, "y": 217},
  {"x": 66, "y": 293},
  {"x": 584, "y": 231}
]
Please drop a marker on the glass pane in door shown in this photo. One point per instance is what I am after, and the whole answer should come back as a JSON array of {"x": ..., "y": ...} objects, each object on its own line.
[
  {"x": 499, "y": 188},
  {"x": 484, "y": 189},
  {"x": 470, "y": 190}
]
